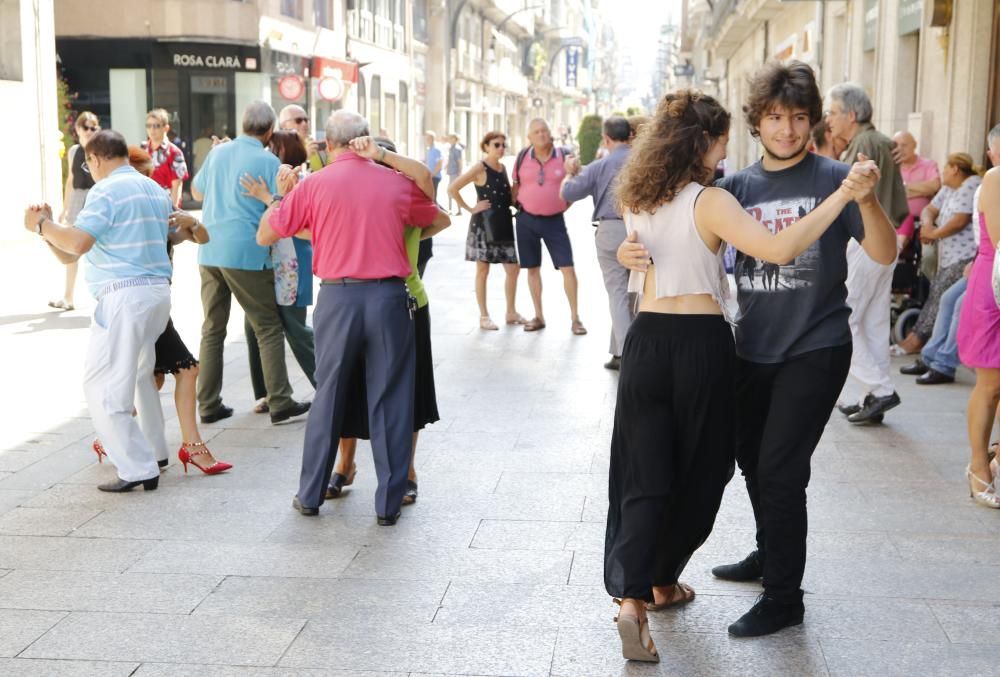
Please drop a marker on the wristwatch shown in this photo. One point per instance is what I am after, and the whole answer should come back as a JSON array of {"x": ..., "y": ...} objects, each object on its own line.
[
  {"x": 275, "y": 199},
  {"x": 38, "y": 226}
]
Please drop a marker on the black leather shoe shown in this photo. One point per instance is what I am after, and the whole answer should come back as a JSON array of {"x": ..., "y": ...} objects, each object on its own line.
[
  {"x": 916, "y": 369},
  {"x": 750, "y": 569},
  {"x": 119, "y": 485},
  {"x": 410, "y": 496},
  {"x": 223, "y": 412},
  {"x": 163, "y": 463},
  {"x": 767, "y": 616},
  {"x": 614, "y": 364},
  {"x": 874, "y": 409},
  {"x": 848, "y": 409},
  {"x": 388, "y": 521},
  {"x": 296, "y": 409},
  {"x": 308, "y": 512},
  {"x": 933, "y": 378}
]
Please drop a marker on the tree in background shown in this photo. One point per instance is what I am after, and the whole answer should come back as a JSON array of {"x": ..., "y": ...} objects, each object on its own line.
[
  {"x": 67, "y": 116},
  {"x": 633, "y": 110},
  {"x": 589, "y": 137}
]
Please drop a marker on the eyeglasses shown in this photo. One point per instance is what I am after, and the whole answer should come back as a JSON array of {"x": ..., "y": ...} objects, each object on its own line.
[
  {"x": 499, "y": 145},
  {"x": 153, "y": 125},
  {"x": 88, "y": 128},
  {"x": 541, "y": 175},
  {"x": 299, "y": 121}
]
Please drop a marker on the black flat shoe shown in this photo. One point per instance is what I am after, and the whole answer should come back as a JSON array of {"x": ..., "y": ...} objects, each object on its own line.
[
  {"x": 308, "y": 512},
  {"x": 337, "y": 483},
  {"x": 933, "y": 378},
  {"x": 296, "y": 409},
  {"x": 874, "y": 409},
  {"x": 223, "y": 412},
  {"x": 614, "y": 364},
  {"x": 163, "y": 463},
  {"x": 766, "y": 617},
  {"x": 750, "y": 569},
  {"x": 848, "y": 409},
  {"x": 119, "y": 485},
  {"x": 916, "y": 369},
  {"x": 388, "y": 521},
  {"x": 410, "y": 497}
]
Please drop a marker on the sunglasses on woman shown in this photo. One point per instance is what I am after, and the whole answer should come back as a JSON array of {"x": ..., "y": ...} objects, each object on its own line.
[
  {"x": 88, "y": 128},
  {"x": 499, "y": 145}
]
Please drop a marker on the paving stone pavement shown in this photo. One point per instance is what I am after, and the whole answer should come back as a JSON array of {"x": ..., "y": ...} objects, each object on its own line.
[{"x": 497, "y": 568}]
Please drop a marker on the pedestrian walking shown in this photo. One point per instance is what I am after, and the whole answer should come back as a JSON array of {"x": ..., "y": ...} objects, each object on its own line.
[
  {"x": 596, "y": 181},
  {"x": 493, "y": 242},
  {"x": 122, "y": 232},
  {"x": 793, "y": 339},
  {"x": 455, "y": 151},
  {"x": 869, "y": 392},
  {"x": 291, "y": 259},
  {"x": 979, "y": 338},
  {"x": 356, "y": 212},
  {"x": 425, "y": 409},
  {"x": 233, "y": 264},
  {"x": 78, "y": 183},
  {"x": 538, "y": 175},
  {"x": 169, "y": 166},
  {"x": 672, "y": 444}
]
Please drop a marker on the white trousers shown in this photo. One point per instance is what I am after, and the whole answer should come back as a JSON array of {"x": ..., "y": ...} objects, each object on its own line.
[
  {"x": 119, "y": 371},
  {"x": 869, "y": 294}
]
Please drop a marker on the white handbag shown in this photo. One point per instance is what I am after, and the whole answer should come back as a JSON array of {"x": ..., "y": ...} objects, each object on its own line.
[{"x": 996, "y": 275}]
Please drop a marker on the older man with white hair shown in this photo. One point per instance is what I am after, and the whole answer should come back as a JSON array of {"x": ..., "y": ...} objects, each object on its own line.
[
  {"x": 356, "y": 211},
  {"x": 869, "y": 392},
  {"x": 295, "y": 117},
  {"x": 233, "y": 264}
]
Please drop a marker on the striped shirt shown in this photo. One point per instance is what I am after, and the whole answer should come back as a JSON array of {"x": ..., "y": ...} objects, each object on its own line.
[{"x": 126, "y": 213}]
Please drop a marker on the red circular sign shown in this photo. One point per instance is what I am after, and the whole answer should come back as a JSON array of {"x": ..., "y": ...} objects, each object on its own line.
[{"x": 291, "y": 87}]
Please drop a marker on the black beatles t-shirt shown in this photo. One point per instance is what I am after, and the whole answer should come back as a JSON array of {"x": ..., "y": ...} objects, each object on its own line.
[{"x": 792, "y": 309}]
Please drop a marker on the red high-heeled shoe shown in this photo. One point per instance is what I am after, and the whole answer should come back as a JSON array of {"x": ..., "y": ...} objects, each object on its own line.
[
  {"x": 99, "y": 450},
  {"x": 186, "y": 456}
]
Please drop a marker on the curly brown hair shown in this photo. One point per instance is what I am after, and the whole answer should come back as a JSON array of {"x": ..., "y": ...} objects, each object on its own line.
[
  {"x": 669, "y": 150},
  {"x": 791, "y": 85}
]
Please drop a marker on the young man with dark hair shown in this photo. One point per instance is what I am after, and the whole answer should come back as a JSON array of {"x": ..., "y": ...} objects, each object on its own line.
[
  {"x": 792, "y": 336},
  {"x": 793, "y": 339}
]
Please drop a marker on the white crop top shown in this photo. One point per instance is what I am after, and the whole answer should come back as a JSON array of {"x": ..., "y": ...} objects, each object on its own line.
[{"x": 684, "y": 264}]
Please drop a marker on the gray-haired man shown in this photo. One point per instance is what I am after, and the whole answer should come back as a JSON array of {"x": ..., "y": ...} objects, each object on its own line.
[
  {"x": 869, "y": 392},
  {"x": 596, "y": 181},
  {"x": 233, "y": 264}
]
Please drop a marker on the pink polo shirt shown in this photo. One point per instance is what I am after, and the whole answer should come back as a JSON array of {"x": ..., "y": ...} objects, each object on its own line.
[
  {"x": 544, "y": 199},
  {"x": 924, "y": 169},
  {"x": 356, "y": 210}
]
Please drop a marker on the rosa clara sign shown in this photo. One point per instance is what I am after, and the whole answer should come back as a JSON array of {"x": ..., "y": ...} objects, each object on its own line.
[{"x": 210, "y": 61}]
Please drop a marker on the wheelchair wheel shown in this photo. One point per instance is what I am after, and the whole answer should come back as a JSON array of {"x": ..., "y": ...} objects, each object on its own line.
[{"x": 904, "y": 324}]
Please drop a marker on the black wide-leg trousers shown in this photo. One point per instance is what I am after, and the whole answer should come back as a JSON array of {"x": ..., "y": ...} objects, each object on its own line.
[{"x": 672, "y": 449}]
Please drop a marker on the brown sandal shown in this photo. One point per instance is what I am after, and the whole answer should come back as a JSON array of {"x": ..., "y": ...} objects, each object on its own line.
[
  {"x": 578, "y": 328},
  {"x": 534, "y": 325},
  {"x": 686, "y": 596}
]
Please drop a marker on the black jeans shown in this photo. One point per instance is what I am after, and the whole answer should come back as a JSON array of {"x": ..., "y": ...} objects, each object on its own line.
[
  {"x": 782, "y": 410},
  {"x": 671, "y": 449}
]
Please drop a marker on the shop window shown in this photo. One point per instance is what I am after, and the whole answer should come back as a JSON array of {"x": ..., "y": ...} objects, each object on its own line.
[
  {"x": 375, "y": 116},
  {"x": 10, "y": 40},
  {"x": 323, "y": 13},
  {"x": 292, "y": 8},
  {"x": 389, "y": 120}
]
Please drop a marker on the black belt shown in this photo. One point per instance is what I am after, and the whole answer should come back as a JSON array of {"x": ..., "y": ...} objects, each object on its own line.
[{"x": 356, "y": 280}]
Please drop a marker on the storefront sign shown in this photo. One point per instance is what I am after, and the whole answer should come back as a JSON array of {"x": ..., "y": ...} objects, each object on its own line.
[
  {"x": 334, "y": 68},
  {"x": 572, "y": 61},
  {"x": 291, "y": 87},
  {"x": 871, "y": 25},
  {"x": 910, "y": 13},
  {"x": 463, "y": 99},
  {"x": 331, "y": 89},
  {"x": 209, "y": 84},
  {"x": 184, "y": 55}
]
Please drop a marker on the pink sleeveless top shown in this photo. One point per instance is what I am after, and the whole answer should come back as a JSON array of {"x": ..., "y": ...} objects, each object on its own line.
[{"x": 684, "y": 263}]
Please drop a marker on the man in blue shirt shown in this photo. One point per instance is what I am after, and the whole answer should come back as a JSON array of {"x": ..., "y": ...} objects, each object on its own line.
[
  {"x": 122, "y": 232},
  {"x": 596, "y": 181},
  {"x": 233, "y": 264}
]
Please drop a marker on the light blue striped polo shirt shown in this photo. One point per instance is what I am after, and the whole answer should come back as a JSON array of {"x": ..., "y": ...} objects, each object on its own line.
[
  {"x": 230, "y": 216},
  {"x": 126, "y": 213}
]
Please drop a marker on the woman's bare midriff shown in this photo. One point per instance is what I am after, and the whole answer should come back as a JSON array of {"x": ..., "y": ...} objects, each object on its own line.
[{"x": 685, "y": 304}]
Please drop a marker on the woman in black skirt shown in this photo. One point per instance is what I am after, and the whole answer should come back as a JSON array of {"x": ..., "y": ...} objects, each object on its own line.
[
  {"x": 672, "y": 448},
  {"x": 425, "y": 410},
  {"x": 172, "y": 356}
]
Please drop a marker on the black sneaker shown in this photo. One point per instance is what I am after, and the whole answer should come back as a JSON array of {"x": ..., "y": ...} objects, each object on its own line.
[
  {"x": 223, "y": 412},
  {"x": 296, "y": 409},
  {"x": 767, "y": 616},
  {"x": 916, "y": 369},
  {"x": 308, "y": 512},
  {"x": 874, "y": 409},
  {"x": 750, "y": 569}
]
